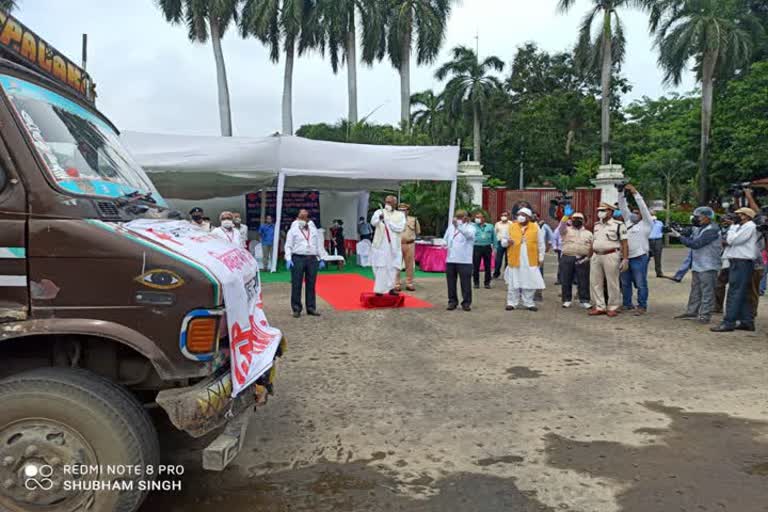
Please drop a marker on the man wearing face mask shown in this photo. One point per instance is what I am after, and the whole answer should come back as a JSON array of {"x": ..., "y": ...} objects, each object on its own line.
[
  {"x": 502, "y": 231},
  {"x": 574, "y": 262},
  {"x": 226, "y": 231},
  {"x": 198, "y": 219},
  {"x": 608, "y": 258},
  {"x": 460, "y": 238},
  {"x": 386, "y": 251},
  {"x": 639, "y": 225},
  {"x": 706, "y": 249},
  {"x": 241, "y": 228},
  {"x": 304, "y": 252},
  {"x": 526, "y": 246},
  {"x": 408, "y": 242},
  {"x": 485, "y": 239}
]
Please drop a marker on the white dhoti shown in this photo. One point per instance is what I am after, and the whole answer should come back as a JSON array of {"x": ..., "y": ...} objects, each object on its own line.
[
  {"x": 523, "y": 281},
  {"x": 385, "y": 278},
  {"x": 386, "y": 255}
]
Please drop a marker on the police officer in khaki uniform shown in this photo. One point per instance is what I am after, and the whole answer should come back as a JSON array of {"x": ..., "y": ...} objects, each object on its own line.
[
  {"x": 408, "y": 241},
  {"x": 609, "y": 257}
]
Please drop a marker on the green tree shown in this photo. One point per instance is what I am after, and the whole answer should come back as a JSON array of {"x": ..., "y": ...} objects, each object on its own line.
[
  {"x": 9, "y": 5},
  {"x": 719, "y": 36},
  {"x": 471, "y": 85},
  {"x": 409, "y": 23},
  {"x": 605, "y": 51},
  {"x": 296, "y": 24},
  {"x": 204, "y": 19},
  {"x": 428, "y": 113},
  {"x": 340, "y": 23}
]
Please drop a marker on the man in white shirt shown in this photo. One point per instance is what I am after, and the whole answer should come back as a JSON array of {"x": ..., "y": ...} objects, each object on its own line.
[
  {"x": 502, "y": 231},
  {"x": 741, "y": 251},
  {"x": 460, "y": 238},
  {"x": 241, "y": 228},
  {"x": 226, "y": 231},
  {"x": 304, "y": 252},
  {"x": 386, "y": 250},
  {"x": 639, "y": 225}
]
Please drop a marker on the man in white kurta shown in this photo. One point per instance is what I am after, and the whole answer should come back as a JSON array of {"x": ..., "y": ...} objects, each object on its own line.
[
  {"x": 524, "y": 278},
  {"x": 386, "y": 255}
]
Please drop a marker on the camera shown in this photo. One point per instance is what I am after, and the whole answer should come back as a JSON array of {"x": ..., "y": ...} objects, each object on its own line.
[
  {"x": 620, "y": 185},
  {"x": 683, "y": 229},
  {"x": 563, "y": 200},
  {"x": 737, "y": 189}
]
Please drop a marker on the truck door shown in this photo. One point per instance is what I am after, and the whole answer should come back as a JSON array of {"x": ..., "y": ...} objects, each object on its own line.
[{"x": 14, "y": 294}]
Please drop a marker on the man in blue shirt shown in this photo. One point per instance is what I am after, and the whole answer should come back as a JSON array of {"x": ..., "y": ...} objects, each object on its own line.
[
  {"x": 267, "y": 236},
  {"x": 656, "y": 244},
  {"x": 485, "y": 239}
]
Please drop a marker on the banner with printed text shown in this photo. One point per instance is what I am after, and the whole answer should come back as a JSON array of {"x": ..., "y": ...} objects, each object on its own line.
[{"x": 253, "y": 342}]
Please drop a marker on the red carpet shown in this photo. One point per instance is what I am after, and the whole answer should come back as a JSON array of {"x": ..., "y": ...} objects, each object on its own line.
[{"x": 342, "y": 292}]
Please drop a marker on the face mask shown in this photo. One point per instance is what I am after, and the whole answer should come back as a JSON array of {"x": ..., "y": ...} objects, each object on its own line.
[
  {"x": 197, "y": 218},
  {"x": 522, "y": 219},
  {"x": 388, "y": 207},
  {"x": 635, "y": 218},
  {"x": 602, "y": 215},
  {"x": 578, "y": 223},
  {"x": 478, "y": 221},
  {"x": 227, "y": 224},
  {"x": 459, "y": 222},
  {"x": 238, "y": 222},
  {"x": 616, "y": 214},
  {"x": 302, "y": 223},
  {"x": 504, "y": 218}
]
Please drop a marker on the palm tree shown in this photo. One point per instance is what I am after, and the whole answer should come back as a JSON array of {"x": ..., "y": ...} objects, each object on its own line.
[
  {"x": 204, "y": 18},
  {"x": 605, "y": 52},
  {"x": 428, "y": 113},
  {"x": 422, "y": 22},
  {"x": 470, "y": 83},
  {"x": 340, "y": 22},
  {"x": 9, "y": 5},
  {"x": 296, "y": 24},
  {"x": 719, "y": 36}
]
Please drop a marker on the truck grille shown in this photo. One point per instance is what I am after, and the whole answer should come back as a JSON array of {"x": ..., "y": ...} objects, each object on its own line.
[{"x": 108, "y": 210}]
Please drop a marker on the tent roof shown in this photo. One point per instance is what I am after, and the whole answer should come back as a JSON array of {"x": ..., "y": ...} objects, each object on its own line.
[{"x": 203, "y": 167}]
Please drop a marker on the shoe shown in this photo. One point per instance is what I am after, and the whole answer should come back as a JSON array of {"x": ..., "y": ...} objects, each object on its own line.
[
  {"x": 394, "y": 292},
  {"x": 746, "y": 327},
  {"x": 723, "y": 328},
  {"x": 660, "y": 275},
  {"x": 313, "y": 313},
  {"x": 558, "y": 283},
  {"x": 476, "y": 286},
  {"x": 567, "y": 304},
  {"x": 509, "y": 308},
  {"x": 596, "y": 312},
  {"x": 703, "y": 320},
  {"x": 685, "y": 316},
  {"x": 296, "y": 314},
  {"x": 466, "y": 308},
  {"x": 452, "y": 307},
  {"x": 488, "y": 287},
  {"x": 612, "y": 314},
  {"x": 410, "y": 288},
  {"x": 538, "y": 297},
  {"x": 640, "y": 311},
  {"x": 586, "y": 305},
  {"x": 677, "y": 279},
  {"x": 533, "y": 308}
]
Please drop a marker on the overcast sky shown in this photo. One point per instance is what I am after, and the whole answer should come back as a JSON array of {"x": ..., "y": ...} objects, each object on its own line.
[{"x": 151, "y": 78}]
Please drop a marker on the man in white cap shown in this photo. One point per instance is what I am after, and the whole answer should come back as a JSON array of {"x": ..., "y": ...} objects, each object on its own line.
[
  {"x": 525, "y": 246},
  {"x": 386, "y": 251},
  {"x": 741, "y": 250}
]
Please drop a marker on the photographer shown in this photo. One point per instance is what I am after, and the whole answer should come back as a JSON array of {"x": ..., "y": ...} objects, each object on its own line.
[
  {"x": 741, "y": 250},
  {"x": 639, "y": 224},
  {"x": 706, "y": 248},
  {"x": 753, "y": 297}
]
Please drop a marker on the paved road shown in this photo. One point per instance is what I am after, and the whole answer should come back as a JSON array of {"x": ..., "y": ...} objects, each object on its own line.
[{"x": 428, "y": 410}]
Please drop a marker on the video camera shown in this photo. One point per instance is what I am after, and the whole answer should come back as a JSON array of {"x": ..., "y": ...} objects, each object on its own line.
[
  {"x": 684, "y": 229},
  {"x": 620, "y": 185},
  {"x": 737, "y": 189}
]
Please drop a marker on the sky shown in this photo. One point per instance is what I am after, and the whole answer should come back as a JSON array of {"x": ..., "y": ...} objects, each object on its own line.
[{"x": 150, "y": 77}]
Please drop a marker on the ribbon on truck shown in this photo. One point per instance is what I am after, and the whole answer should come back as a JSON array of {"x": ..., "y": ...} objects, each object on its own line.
[{"x": 253, "y": 342}]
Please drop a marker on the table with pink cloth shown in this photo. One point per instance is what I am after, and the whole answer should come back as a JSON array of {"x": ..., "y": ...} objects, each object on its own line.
[{"x": 431, "y": 258}]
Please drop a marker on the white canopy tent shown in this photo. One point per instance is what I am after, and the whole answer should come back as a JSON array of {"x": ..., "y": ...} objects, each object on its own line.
[{"x": 205, "y": 167}]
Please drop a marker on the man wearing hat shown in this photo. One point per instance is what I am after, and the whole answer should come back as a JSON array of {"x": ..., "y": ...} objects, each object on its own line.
[
  {"x": 574, "y": 261},
  {"x": 706, "y": 250},
  {"x": 525, "y": 252},
  {"x": 741, "y": 250},
  {"x": 197, "y": 218},
  {"x": 408, "y": 244},
  {"x": 609, "y": 257}
]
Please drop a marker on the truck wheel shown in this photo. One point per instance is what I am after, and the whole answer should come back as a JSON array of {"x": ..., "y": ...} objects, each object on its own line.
[{"x": 72, "y": 440}]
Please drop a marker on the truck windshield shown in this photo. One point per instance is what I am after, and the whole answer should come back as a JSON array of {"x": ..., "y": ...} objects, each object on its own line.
[{"x": 82, "y": 153}]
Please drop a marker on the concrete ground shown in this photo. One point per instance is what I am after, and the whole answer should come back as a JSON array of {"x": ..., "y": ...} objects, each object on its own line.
[{"x": 429, "y": 410}]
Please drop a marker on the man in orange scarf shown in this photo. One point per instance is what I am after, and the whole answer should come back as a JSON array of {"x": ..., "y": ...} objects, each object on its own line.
[{"x": 526, "y": 246}]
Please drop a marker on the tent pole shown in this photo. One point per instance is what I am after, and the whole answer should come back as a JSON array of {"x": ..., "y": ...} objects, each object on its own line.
[
  {"x": 452, "y": 207},
  {"x": 278, "y": 220}
]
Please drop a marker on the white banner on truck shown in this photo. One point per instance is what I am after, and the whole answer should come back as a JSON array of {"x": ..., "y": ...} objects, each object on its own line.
[{"x": 253, "y": 342}]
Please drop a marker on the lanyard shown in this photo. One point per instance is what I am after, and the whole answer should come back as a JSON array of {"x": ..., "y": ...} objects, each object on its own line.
[{"x": 306, "y": 235}]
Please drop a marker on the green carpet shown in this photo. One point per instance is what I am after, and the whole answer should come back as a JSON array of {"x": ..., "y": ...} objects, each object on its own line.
[{"x": 284, "y": 276}]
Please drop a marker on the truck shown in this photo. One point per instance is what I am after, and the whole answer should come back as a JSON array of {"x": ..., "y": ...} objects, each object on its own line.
[{"x": 98, "y": 325}]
